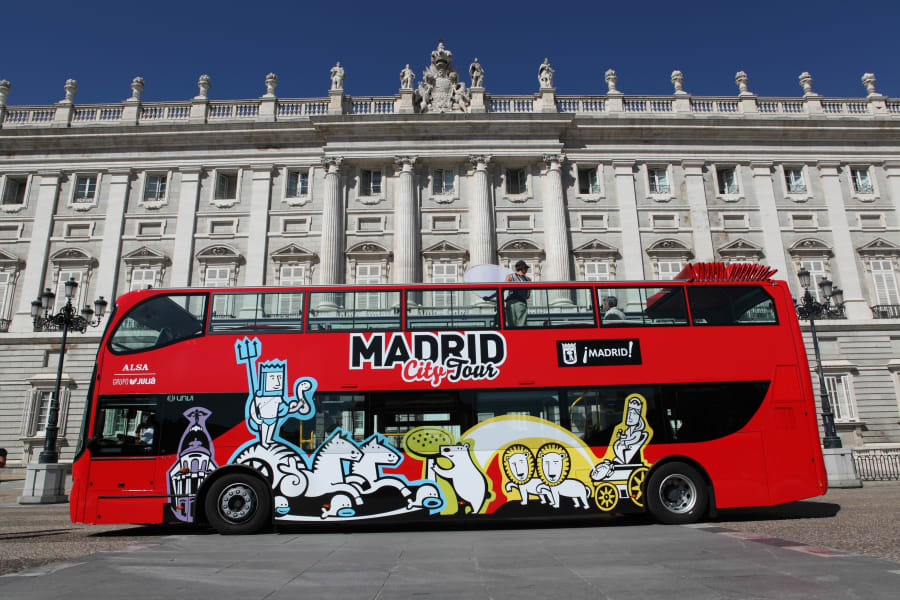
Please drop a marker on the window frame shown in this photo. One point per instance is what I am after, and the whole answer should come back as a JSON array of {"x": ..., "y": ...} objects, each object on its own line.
[
  {"x": 594, "y": 193},
  {"x": 95, "y": 199},
  {"x": 300, "y": 198},
  {"x": 214, "y": 188},
  {"x": 855, "y": 193},
  {"x": 154, "y": 203},
  {"x": 738, "y": 193},
  {"x": 841, "y": 378},
  {"x": 523, "y": 177},
  {"x": 798, "y": 195},
  {"x": 25, "y": 185},
  {"x": 659, "y": 196}
]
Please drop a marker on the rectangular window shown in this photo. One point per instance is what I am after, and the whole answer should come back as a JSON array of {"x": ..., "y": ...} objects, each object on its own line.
[
  {"x": 659, "y": 180},
  {"x": 668, "y": 269},
  {"x": 354, "y": 311},
  {"x": 442, "y": 181},
  {"x": 588, "y": 182},
  {"x": 219, "y": 277},
  {"x": 816, "y": 270},
  {"x": 126, "y": 428},
  {"x": 297, "y": 184},
  {"x": 292, "y": 275},
  {"x": 639, "y": 306},
  {"x": 155, "y": 187},
  {"x": 43, "y": 412},
  {"x": 885, "y": 282},
  {"x": 727, "y": 177},
  {"x": 369, "y": 274},
  {"x": 793, "y": 179},
  {"x": 142, "y": 279},
  {"x": 840, "y": 394},
  {"x": 731, "y": 305},
  {"x": 60, "y": 301},
  {"x": 85, "y": 188},
  {"x": 226, "y": 186},
  {"x": 370, "y": 183},
  {"x": 596, "y": 271},
  {"x": 548, "y": 307},
  {"x": 452, "y": 309},
  {"x": 516, "y": 181},
  {"x": 270, "y": 311},
  {"x": 14, "y": 191},
  {"x": 4, "y": 292},
  {"x": 150, "y": 228},
  {"x": 443, "y": 273},
  {"x": 862, "y": 184}
]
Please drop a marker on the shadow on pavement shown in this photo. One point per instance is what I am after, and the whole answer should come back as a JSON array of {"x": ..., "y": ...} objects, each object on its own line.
[{"x": 803, "y": 509}]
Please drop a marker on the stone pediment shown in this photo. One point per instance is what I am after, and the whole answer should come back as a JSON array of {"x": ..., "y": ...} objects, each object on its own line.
[
  {"x": 879, "y": 247},
  {"x": 72, "y": 257},
  {"x": 596, "y": 249},
  {"x": 8, "y": 260},
  {"x": 445, "y": 249},
  {"x": 220, "y": 254},
  {"x": 740, "y": 247},
  {"x": 293, "y": 253},
  {"x": 145, "y": 255},
  {"x": 810, "y": 247},
  {"x": 669, "y": 248},
  {"x": 368, "y": 250}
]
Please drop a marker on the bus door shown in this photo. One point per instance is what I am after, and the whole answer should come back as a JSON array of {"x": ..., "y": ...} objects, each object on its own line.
[
  {"x": 123, "y": 467},
  {"x": 396, "y": 412}
]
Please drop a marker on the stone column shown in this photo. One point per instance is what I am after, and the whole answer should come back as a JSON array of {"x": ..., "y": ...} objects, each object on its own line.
[
  {"x": 113, "y": 226},
  {"x": 632, "y": 253},
  {"x": 482, "y": 239},
  {"x": 38, "y": 249},
  {"x": 855, "y": 305},
  {"x": 892, "y": 171},
  {"x": 773, "y": 244},
  {"x": 331, "y": 254},
  {"x": 257, "y": 243},
  {"x": 696, "y": 197},
  {"x": 556, "y": 237},
  {"x": 406, "y": 229},
  {"x": 183, "y": 253}
]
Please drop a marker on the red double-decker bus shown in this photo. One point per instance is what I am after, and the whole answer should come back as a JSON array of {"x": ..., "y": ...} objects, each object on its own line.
[{"x": 241, "y": 407}]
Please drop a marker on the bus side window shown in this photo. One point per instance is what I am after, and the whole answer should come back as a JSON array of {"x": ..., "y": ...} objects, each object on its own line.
[
  {"x": 125, "y": 428},
  {"x": 159, "y": 321},
  {"x": 731, "y": 305}
]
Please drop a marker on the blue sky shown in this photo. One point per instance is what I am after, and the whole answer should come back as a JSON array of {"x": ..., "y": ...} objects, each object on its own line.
[{"x": 105, "y": 44}]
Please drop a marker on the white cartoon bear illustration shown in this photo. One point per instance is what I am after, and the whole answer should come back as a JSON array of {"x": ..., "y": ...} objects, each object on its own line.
[{"x": 466, "y": 478}]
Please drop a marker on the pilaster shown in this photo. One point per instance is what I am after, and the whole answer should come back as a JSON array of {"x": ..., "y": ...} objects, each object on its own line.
[
  {"x": 632, "y": 255},
  {"x": 892, "y": 171},
  {"x": 38, "y": 249},
  {"x": 183, "y": 253},
  {"x": 257, "y": 244},
  {"x": 773, "y": 245},
  {"x": 406, "y": 230},
  {"x": 331, "y": 254},
  {"x": 855, "y": 305},
  {"x": 482, "y": 238},
  {"x": 696, "y": 196},
  {"x": 111, "y": 248},
  {"x": 556, "y": 235}
]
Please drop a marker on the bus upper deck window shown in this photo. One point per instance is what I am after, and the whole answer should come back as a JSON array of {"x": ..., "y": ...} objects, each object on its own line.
[
  {"x": 159, "y": 321},
  {"x": 731, "y": 305}
]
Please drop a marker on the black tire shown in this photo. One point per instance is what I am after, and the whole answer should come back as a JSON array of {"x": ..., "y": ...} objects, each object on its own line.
[
  {"x": 238, "y": 504},
  {"x": 676, "y": 494}
]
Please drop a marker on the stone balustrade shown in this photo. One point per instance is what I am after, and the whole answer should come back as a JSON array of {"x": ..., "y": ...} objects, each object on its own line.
[{"x": 304, "y": 108}]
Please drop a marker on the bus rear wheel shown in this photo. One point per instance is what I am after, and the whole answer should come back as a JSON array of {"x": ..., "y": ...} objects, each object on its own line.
[
  {"x": 676, "y": 494},
  {"x": 238, "y": 504}
]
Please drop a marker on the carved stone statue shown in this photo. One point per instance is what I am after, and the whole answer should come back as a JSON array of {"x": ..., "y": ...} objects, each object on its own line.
[
  {"x": 5, "y": 86},
  {"x": 741, "y": 79},
  {"x": 545, "y": 74},
  {"x": 337, "y": 77},
  {"x": 407, "y": 77},
  {"x": 137, "y": 86},
  {"x": 806, "y": 83},
  {"x": 271, "y": 84},
  {"x": 203, "y": 84},
  {"x": 71, "y": 89},
  {"x": 611, "y": 79},
  {"x": 440, "y": 89},
  {"x": 869, "y": 81},
  {"x": 476, "y": 72},
  {"x": 678, "y": 82}
]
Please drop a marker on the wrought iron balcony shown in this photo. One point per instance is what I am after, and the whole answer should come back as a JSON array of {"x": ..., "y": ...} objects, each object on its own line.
[{"x": 886, "y": 311}]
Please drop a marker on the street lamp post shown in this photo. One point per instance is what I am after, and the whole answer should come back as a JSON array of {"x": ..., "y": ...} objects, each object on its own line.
[
  {"x": 832, "y": 308},
  {"x": 64, "y": 320}
]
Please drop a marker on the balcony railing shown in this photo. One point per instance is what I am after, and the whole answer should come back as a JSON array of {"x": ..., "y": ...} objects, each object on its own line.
[
  {"x": 877, "y": 464},
  {"x": 886, "y": 311}
]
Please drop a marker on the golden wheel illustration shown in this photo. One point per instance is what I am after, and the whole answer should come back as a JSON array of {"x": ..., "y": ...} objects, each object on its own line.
[
  {"x": 636, "y": 485},
  {"x": 606, "y": 496}
]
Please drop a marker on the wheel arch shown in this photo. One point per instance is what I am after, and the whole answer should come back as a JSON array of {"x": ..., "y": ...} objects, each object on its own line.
[
  {"x": 200, "y": 502},
  {"x": 711, "y": 510}
]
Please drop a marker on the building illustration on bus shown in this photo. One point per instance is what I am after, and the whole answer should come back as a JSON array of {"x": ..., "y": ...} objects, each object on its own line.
[{"x": 241, "y": 407}]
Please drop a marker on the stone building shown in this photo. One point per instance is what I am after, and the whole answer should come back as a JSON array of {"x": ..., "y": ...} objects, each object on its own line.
[{"x": 439, "y": 177}]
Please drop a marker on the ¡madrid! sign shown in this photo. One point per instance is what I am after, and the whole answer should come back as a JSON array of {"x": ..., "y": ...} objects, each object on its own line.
[
  {"x": 598, "y": 353},
  {"x": 431, "y": 357}
]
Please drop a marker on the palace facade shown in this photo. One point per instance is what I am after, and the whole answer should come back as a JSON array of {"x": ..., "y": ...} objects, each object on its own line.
[{"x": 442, "y": 176}]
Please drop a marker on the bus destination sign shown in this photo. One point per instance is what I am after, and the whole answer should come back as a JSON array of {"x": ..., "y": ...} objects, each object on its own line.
[{"x": 598, "y": 353}]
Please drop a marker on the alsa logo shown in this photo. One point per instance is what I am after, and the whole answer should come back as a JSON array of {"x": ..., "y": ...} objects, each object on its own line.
[
  {"x": 135, "y": 367},
  {"x": 134, "y": 380},
  {"x": 431, "y": 357}
]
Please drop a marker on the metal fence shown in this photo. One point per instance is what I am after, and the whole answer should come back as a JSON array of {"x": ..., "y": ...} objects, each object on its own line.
[{"x": 878, "y": 464}]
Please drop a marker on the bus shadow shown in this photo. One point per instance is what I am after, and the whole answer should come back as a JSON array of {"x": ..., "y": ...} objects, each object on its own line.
[
  {"x": 148, "y": 531},
  {"x": 803, "y": 509}
]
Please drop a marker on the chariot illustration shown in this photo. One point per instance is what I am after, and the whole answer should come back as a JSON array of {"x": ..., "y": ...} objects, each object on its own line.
[{"x": 622, "y": 473}]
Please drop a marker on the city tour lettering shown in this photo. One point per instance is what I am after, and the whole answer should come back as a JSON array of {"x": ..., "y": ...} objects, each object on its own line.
[{"x": 431, "y": 357}]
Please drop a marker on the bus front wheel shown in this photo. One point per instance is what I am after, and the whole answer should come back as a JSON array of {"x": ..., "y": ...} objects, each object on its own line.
[
  {"x": 237, "y": 504},
  {"x": 676, "y": 494}
]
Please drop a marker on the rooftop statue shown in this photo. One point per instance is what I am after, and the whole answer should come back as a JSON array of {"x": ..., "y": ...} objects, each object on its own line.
[
  {"x": 476, "y": 72},
  {"x": 440, "y": 89},
  {"x": 545, "y": 74},
  {"x": 337, "y": 77},
  {"x": 407, "y": 77}
]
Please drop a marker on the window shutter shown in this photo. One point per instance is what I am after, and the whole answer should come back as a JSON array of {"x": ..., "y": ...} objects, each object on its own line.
[{"x": 885, "y": 282}]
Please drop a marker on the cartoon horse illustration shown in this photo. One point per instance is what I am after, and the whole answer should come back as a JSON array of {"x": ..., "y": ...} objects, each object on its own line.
[
  {"x": 279, "y": 465},
  {"x": 327, "y": 473},
  {"x": 366, "y": 472}
]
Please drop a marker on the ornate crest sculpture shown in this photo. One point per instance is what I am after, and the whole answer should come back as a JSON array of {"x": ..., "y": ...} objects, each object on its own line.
[{"x": 440, "y": 89}]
